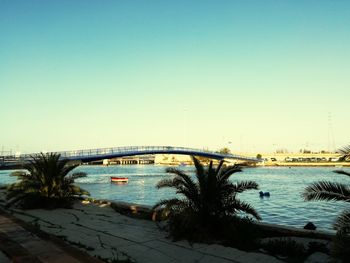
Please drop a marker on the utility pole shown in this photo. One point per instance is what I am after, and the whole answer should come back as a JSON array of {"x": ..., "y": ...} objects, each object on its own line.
[
  {"x": 331, "y": 142},
  {"x": 185, "y": 127}
]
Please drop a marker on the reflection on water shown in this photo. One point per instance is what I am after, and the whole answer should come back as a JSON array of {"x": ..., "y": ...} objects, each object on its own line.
[{"x": 284, "y": 206}]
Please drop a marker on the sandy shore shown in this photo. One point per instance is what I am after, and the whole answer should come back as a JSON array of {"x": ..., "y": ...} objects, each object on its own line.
[{"x": 102, "y": 232}]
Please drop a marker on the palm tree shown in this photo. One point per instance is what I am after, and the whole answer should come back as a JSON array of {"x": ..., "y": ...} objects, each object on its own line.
[
  {"x": 206, "y": 201},
  {"x": 345, "y": 151},
  {"x": 329, "y": 191},
  {"x": 45, "y": 183}
]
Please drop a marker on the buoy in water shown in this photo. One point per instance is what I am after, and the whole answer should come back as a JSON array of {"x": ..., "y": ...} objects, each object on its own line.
[{"x": 262, "y": 194}]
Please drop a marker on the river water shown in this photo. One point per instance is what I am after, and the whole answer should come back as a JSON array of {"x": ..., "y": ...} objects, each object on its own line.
[{"x": 285, "y": 205}]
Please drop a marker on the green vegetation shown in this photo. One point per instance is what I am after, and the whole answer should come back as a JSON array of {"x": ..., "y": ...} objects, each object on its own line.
[
  {"x": 345, "y": 151},
  {"x": 287, "y": 247},
  {"x": 329, "y": 191},
  {"x": 209, "y": 205},
  {"x": 224, "y": 150},
  {"x": 45, "y": 183},
  {"x": 291, "y": 250},
  {"x": 258, "y": 156}
]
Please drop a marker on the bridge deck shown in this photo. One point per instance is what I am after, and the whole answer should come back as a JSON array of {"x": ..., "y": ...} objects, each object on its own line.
[{"x": 108, "y": 153}]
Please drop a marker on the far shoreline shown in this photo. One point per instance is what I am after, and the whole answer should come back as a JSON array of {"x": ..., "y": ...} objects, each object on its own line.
[
  {"x": 266, "y": 164},
  {"x": 306, "y": 164}
]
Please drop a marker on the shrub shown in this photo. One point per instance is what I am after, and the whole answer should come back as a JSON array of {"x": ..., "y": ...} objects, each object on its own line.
[
  {"x": 45, "y": 183},
  {"x": 208, "y": 207}
]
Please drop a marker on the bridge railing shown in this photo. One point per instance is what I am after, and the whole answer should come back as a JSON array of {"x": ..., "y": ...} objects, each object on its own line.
[
  {"x": 102, "y": 151},
  {"x": 117, "y": 150}
]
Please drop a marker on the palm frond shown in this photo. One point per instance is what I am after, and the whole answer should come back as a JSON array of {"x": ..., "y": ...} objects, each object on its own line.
[
  {"x": 179, "y": 173},
  {"x": 345, "y": 152},
  {"x": 77, "y": 175},
  {"x": 244, "y": 207},
  {"x": 199, "y": 167},
  {"x": 341, "y": 172},
  {"x": 342, "y": 223},
  {"x": 201, "y": 175},
  {"x": 67, "y": 168},
  {"x": 327, "y": 191},
  {"x": 19, "y": 173},
  {"x": 345, "y": 149},
  {"x": 187, "y": 180},
  {"x": 242, "y": 186},
  {"x": 168, "y": 203},
  {"x": 191, "y": 196},
  {"x": 229, "y": 171},
  {"x": 181, "y": 187},
  {"x": 165, "y": 183},
  {"x": 218, "y": 169}
]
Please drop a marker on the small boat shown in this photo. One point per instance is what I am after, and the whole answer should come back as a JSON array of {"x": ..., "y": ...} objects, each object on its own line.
[{"x": 115, "y": 179}]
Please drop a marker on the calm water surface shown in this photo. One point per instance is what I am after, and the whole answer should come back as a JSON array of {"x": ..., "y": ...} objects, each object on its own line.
[{"x": 285, "y": 206}]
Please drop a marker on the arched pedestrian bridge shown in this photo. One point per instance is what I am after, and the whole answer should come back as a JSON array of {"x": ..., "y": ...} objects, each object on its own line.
[{"x": 109, "y": 153}]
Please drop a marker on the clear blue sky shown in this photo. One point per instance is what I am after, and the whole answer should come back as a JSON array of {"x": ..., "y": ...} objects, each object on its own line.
[{"x": 260, "y": 74}]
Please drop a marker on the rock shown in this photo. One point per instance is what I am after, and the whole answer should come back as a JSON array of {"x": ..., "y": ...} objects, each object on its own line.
[{"x": 310, "y": 226}]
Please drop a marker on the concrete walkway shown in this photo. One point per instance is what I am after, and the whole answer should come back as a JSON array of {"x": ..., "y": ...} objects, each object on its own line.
[
  {"x": 17, "y": 244},
  {"x": 102, "y": 232}
]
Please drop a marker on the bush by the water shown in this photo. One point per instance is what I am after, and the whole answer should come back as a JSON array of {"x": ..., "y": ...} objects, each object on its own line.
[
  {"x": 45, "y": 183},
  {"x": 207, "y": 208},
  {"x": 287, "y": 247}
]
